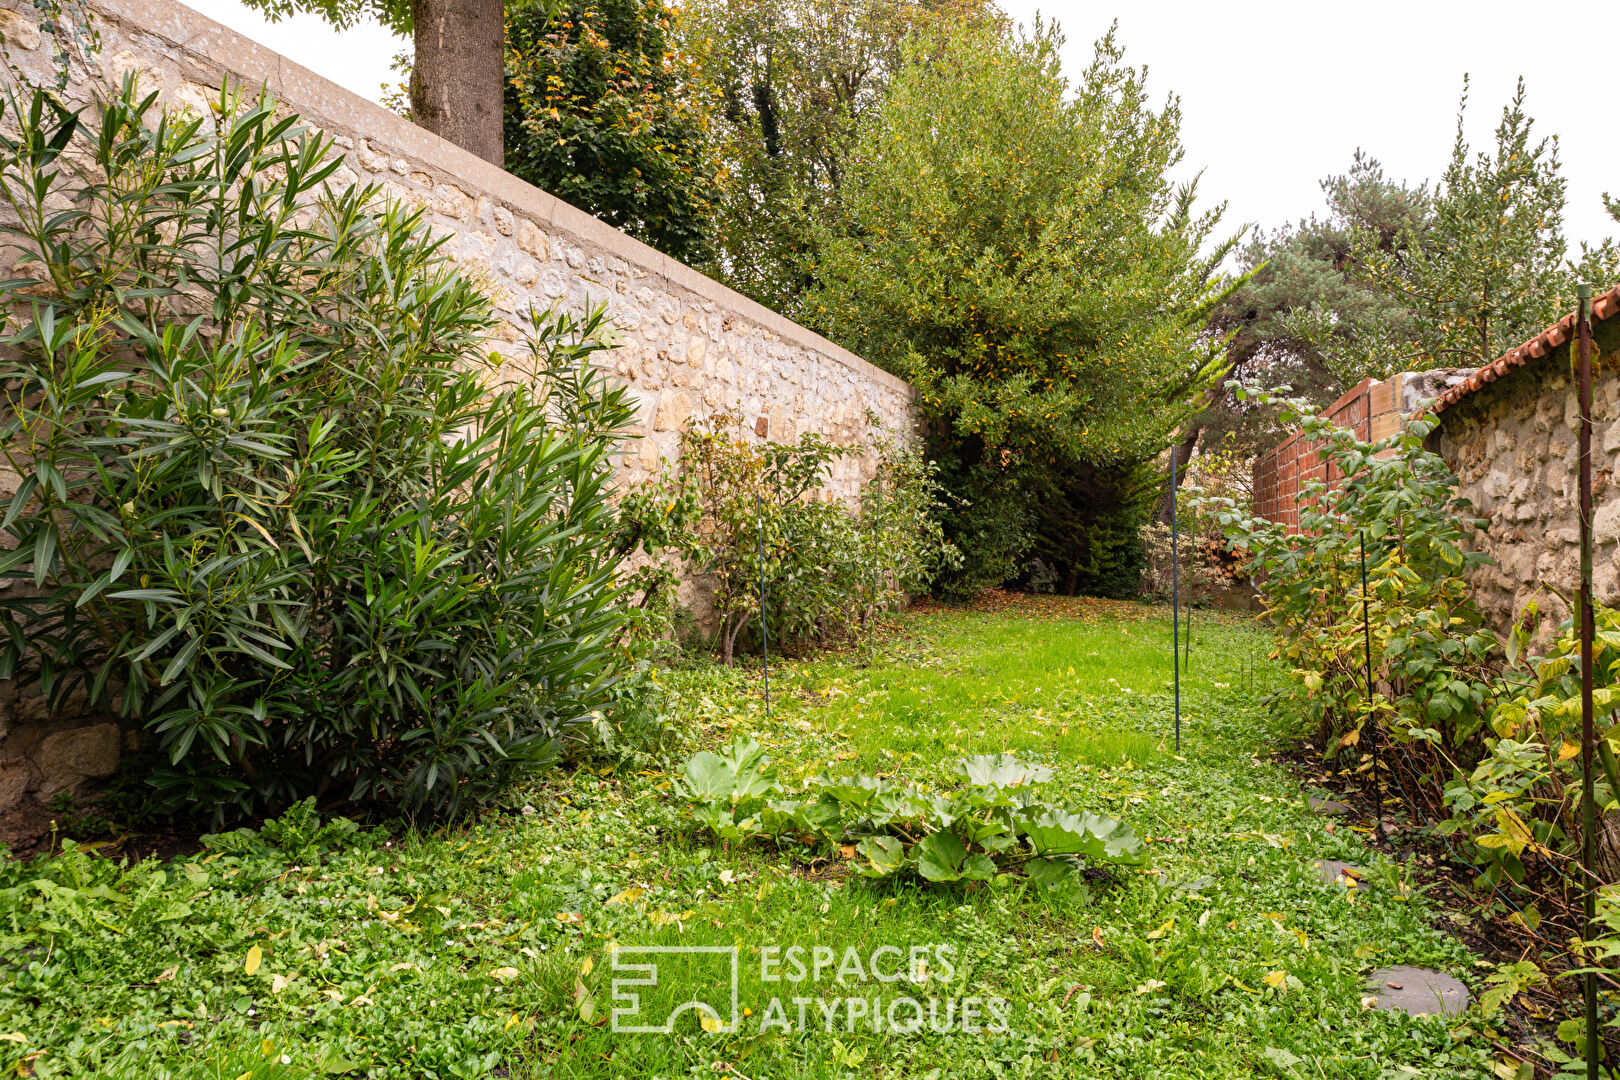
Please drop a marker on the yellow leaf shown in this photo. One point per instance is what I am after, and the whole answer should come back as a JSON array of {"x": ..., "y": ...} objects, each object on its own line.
[
  {"x": 513, "y": 1021},
  {"x": 278, "y": 983},
  {"x": 1276, "y": 978},
  {"x": 1097, "y": 937},
  {"x": 504, "y": 973},
  {"x": 251, "y": 964},
  {"x": 629, "y": 896},
  {"x": 585, "y": 968},
  {"x": 15, "y": 1036},
  {"x": 1154, "y": 935},
  {"x": 1568, "y": 750},
  {"x": 1350, "y": 738},
  {"x": 709, "y": 1023}
]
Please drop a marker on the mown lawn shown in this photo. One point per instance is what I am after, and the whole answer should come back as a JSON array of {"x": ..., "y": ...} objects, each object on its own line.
[{"x": 489, "y": 950}]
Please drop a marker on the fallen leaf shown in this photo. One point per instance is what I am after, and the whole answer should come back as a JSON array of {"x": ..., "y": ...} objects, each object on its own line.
[
  {"x": 251, "y": 964},
  {"x": 278, "y": 983},
  {"x": 1097, "y": 938},
  {"x": 1276, "y": 978},
  {"x": 14, "y": 1036},
  {"x": 504, "y": 973},
  {"x": 629, "y": 896},
  {"x": 168, "y": 973},
  {"x": 1154, "y": 935}
]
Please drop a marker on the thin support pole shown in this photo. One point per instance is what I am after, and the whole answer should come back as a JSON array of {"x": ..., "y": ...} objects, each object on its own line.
[
  {"x": 1175, "y": 596},
  {"x": 1583, "y": 364},
  {"x": 1372, "y": 723},
  {"x": 764, "y": 628}
]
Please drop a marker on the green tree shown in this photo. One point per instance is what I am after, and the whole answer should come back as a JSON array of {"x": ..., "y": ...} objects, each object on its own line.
[
  {"x": 1012, "y": 246},
  {"x": 795, "y": 78},
  {"x": 1487, "y": 268},
  {"x": 1306, "y": 316},
  {"x": 604, "y": 112}
]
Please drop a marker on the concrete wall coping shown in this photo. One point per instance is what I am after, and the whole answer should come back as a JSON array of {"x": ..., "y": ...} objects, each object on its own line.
[{"x": 216, "y": 50}]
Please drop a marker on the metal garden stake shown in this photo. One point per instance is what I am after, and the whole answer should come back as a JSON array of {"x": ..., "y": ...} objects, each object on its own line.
[
  {"x": 1175, "y": 597},
  {"x": 1372, "y": 730},
  {"x": 764, "y": 630},
  {"x": 1583, "y": 366}
]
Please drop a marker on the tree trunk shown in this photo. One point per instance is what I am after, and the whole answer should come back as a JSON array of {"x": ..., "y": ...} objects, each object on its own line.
[
  {"x": 458, "y": 79},
  {"x": 1183, "y": 451}
]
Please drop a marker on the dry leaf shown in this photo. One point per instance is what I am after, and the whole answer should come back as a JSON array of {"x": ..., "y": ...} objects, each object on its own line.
[
  {"x": 504, "y": 973},
  {"x": 251, "y": 964},
  {"x": 14, "y": 1036},
  {"x": 627, "y": 897},
  {"x": 1097, "y": 938},
  {"x": 278, "y": 983},
  {"x": 1276, "y": 978},
  {"x": 168, "y": 973}
]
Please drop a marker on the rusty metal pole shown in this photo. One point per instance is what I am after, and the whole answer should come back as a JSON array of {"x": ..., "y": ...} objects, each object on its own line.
[{"x": 1583, "y": 373}]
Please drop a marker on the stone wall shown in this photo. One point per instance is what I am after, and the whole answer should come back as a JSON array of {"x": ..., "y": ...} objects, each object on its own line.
[
  {"x": 1513, "y": 446},
  {"x": 691, "y": 347}
]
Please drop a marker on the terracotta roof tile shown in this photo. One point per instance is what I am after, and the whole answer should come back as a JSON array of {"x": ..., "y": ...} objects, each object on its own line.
[{"x": 1604, "y": 306}]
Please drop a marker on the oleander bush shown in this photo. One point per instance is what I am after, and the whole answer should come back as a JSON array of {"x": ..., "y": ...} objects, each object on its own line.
[{"x": 281, "y": 505}]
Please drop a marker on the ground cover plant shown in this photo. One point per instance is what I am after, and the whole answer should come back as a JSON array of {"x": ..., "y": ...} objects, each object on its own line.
[{"x": 490, "y": 947}]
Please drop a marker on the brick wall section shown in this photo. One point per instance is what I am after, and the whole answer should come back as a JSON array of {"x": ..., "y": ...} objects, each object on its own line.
[
  {"x": 691, "y": 347},
  {"x": 1373, "y": 410}
]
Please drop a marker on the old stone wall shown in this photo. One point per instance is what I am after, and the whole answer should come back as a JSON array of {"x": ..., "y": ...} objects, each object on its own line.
[
  {"x": 691, "y": 347},
  {"x": 1513, "y": 446}
]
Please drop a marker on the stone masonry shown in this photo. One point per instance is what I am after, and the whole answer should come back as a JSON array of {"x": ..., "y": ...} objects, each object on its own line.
[
  {"x": 690, "y": 346},
  {"x": 1513, "y": 447}
]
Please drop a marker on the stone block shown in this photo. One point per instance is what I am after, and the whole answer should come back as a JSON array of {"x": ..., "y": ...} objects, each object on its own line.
[
  {"x": 80, "y": 753},
  {"x": 674, "y": 410},
  {"x": 1606, "y": 523},
  {"x": 18, "y": 33},
  {"x": 14, "y": 777}
]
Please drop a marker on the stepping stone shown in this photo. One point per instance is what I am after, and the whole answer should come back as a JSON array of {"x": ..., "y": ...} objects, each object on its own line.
[
  {"x": 1329, "y": 806},
  {"x": 1417, "y": 991},
  {"x": 1343, "y": 873}
]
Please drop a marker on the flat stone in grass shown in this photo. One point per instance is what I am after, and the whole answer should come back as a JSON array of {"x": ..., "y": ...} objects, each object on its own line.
[
  {"x": 1329, "y": 806},
  {"x": 1332, "y": 870},
  {"x": 1417, "y": 991}
]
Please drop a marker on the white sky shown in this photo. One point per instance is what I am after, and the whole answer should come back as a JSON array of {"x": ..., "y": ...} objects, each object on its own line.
[{"x": 1275, "y": 96}]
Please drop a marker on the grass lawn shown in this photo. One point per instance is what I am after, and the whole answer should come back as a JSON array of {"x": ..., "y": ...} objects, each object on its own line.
[{"x": 489, "y": 950}]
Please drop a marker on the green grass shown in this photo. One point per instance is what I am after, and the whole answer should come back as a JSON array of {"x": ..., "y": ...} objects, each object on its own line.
[{"x": 491, "y": 947}]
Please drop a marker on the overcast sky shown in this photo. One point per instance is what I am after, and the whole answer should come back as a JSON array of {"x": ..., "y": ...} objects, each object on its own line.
[{"x": 1275, "y": 96}]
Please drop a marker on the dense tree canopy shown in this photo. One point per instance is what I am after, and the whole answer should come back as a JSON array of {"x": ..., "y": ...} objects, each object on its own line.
[
  {"x": 605, "y": 113},
  {"x": 1012, "y": 246},
  {"x": 795, "y": 79}
]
